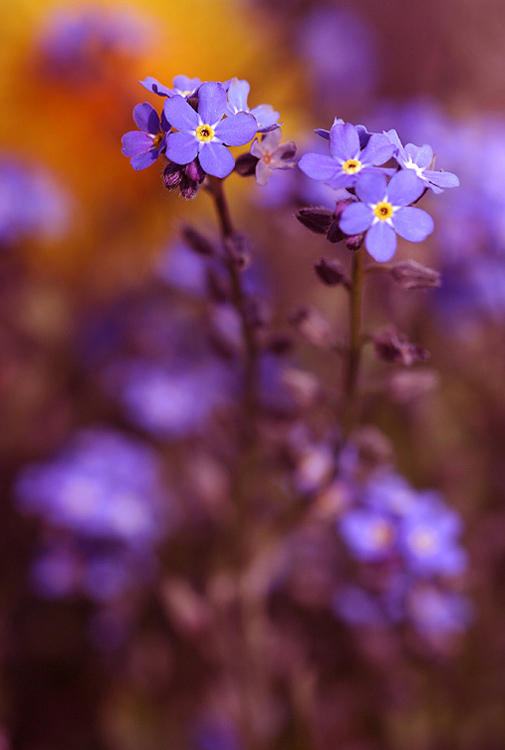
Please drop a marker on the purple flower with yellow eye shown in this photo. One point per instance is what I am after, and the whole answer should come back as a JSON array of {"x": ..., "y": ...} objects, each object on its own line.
[
  {"x": 181, "y": 86},
  {"x": 204, "y": 133},
  {"x": 143, "y": 146},
  {"x": 383, "y": 211},
  {"x": 419, "y": 159},
  {"x": 264, "y": 114},
  {"x": 351, "y": 155}
]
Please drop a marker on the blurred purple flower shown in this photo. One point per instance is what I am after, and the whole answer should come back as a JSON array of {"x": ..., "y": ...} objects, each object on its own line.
[
  {"x": 384, "y": 210},
  {"x": 370, "y": 534},
  {"x": 436, "y": 612},
  {"x": 272, "y": 155}
]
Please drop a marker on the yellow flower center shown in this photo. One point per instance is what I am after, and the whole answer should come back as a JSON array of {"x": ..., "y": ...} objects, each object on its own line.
[
  {"x": 158, "y": 138},
  {"x": 351, "y": 166},
  {"x": 383, "y": 210},
  {"x": 204, "y": 133}
]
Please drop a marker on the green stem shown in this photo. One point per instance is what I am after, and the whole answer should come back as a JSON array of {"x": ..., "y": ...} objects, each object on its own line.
[{"x": 350, "y": 417}]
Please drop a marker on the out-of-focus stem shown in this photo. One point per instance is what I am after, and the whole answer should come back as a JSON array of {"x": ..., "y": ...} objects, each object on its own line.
[
  {"x": 351, "y": 407},
  {"x": 239, "y": 301}
]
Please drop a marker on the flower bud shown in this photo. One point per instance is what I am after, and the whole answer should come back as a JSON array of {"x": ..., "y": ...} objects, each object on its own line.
[
  {"x": 188, "y": 188},
  {"x": 392, "y": 346},
  {"x": 330, "y": 271},
  {"x": 245, "y": 165},
  {"x": 355, "y": 242},
  {"x": 412, "y": 275},
  {"x": 316, "y": 219},
  {"x": 312, "y": 326},
  {"x": 172, "y": 176},
  {"x": 334, "y": 233},
  {"x": 194, "y": 171}
]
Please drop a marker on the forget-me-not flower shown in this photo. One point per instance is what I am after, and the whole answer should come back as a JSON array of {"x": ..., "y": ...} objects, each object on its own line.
[
  {"x": 383, "y": 211},
  {"x": 264, "y": 114},
  {"x": 143, "y": 146},
  {"x": 204, "y": 133},
  {"x": 181, "y": 86},
  {"x": 420, "y": 159}
]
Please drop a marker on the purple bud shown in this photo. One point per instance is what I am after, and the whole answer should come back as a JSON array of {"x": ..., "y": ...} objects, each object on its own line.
[
  {"x": 412, "y": 275},
  {"x": 330, "y": 271},
  {"x": 316, "y": 219},
  {"x": 194, "y": 171},
  {"x": 239, "y": 248},
  {"x": 334, "y": 233},
  {"x": 172, "y": 175},
  {"x": 355, "y": 242},
  {"x": 245, "y": 165},
  {"x": 392, "y": 346},
  {"x": 188, "y": 188},
  {"x": 198, "y": 242},
  {"x": 312, "y": 326}
]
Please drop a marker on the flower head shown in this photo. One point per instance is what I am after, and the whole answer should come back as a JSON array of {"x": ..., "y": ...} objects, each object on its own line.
[
  {"x": 181, "y": 86},
  {"x": 383, "y": 211},
  {"x": 420, "y": 159},
  {"x": 352, "y": 155},
  {"x": 143, "y": 146},
  {"x": 204, "y": 133},
  {"x": 272, "y": 155}
]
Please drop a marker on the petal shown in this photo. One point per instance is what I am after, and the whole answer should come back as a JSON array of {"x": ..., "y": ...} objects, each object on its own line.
[
  {"x": 211, "y": 102},
  {"x": 257, "y": 149},
  {"x": 263, "y": 172},
  {"x": 237, "y": 129},
  {"x": 380, "y": 241},
  {"x": 135, "y": 142},
  {"x": 356, "y": 218},
  {"x": 420, "y": 155},
  {"x": 181, "y": 84},
  {"x": 265, "y": 115},
  {"x": 413, "y": 224},
  {"x": 141, "y": 161},
  {"x": 180, "y": 114},
  {"x": 238, "y": 91},
  {"x": 271, "y": 141},
  {"x": 405, "y": 187},
  {"x": 146, "y": 118},
  {"x": 216, "y": 159},
  {"x": 181, "y": 147},
  {"x": 344, "y": 141},
  {"x": 395, "y": 139},
  {"x": 151, "y": 84},
  {"x": 378, "y": 150},
  {"x": 442, "y": 179},
  {"x": 318, "y": 167},
  {"x": 371, "y": 187}
]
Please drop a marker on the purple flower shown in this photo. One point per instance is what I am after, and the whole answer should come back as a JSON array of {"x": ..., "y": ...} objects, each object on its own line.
[
  {"x": 437, "y": 612},
  {"x": 420, "y": 159},
  {"x": 264, "y": 114},
  {"x": 204, "y": 133},
  {"x": 350, "y": 157},
  {"x": 181, "y": 86},
  {"x": 143, "y": 146},
  {"x": 369, "y": 533},
  {"x": 384, "y": 211},
  {"x": 428, "y": 538},
  {"x": 272, "y": 155}
]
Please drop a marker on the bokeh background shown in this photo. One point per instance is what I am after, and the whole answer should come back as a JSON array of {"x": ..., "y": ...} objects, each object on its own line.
[{"x": 119, "y": 624}]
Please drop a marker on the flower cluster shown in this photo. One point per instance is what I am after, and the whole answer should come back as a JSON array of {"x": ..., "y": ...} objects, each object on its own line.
[
  {"x": 381, "y": 204},
  {"x": 406, "y": 543},
  {"x": 199, "y": 121}
]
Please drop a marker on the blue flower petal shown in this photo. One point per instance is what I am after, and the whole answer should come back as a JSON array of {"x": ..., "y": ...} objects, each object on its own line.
[
  {"x": 135, "y": 142},
  {"x": 211, "y": 102},
  {"x": 378, "y": 150},
  {"x": 356, "y": 218},
  {"x": 420, "y": 155},
  {"x": 319, "y": 167},
  {"x": 413, "y": 224},
  {"x": 181, "y": 147},
  {"x": 442, "y": 179},
  {"x": 181, "y": 84},
  {"x": 146, "y": 118},
  {"x": 141, "y": 161},
  {"x": 216, "y": 159},
  {"x": 380, "y": 241},
  {"x": 151, "y": 84},
  {"x": 371, "y": 187},
  {"x": 180, "y": 114},
  {"x": 238, "y": 91},
  {"x": 344, "y": 141},
  {"x": 405, "y": 187},
  {"x": 266, "y": 116},
  {"x": 237, "y": 129}
]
